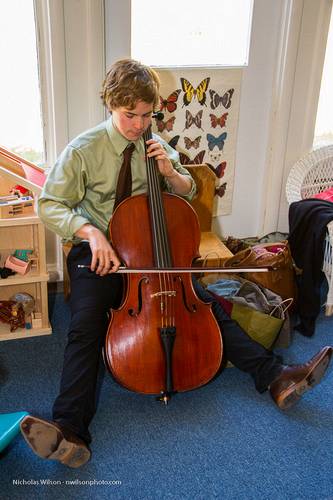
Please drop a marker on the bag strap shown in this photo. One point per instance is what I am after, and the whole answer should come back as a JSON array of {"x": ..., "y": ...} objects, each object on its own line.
[
  {"x": 283, "y": 306},
  {"x": 211, "y": 254}
]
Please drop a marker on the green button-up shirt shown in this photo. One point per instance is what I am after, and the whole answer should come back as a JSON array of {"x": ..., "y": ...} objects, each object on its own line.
[{"x": 81, "y": 187}]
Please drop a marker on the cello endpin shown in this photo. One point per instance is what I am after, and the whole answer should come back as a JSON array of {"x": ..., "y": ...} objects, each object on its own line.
[{"x": 164, "y": 397}]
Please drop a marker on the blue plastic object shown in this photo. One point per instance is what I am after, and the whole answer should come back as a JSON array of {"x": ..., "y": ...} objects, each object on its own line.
[{"x": 10, "y": 427}]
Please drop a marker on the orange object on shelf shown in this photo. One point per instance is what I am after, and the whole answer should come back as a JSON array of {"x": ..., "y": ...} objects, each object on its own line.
[
  {"x": 17, "y": 265},
  {"x": 21, "y": 171}
]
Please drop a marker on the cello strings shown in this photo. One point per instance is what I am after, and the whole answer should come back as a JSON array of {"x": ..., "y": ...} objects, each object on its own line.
[
  {"x": 155, "y": 212},
  {"x": 160, "y": 240},
  {"x": 162, "y": 247},
  {"x": 165, "y": 253},
  {"x": 155, "y": 224}
]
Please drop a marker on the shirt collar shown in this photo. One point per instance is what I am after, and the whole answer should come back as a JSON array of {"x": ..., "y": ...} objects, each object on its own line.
[{"x": 119, "y": 142}]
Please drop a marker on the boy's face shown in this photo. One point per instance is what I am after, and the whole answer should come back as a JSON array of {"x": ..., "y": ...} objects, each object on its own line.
[{"x": 132, "y": 123}]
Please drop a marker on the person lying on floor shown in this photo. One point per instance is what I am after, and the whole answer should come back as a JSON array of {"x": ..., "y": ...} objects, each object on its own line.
[{"x": 77, "y": 203}]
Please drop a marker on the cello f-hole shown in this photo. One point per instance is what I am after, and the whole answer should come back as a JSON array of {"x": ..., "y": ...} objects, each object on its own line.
[
  {"x": 132, "y": 312},
  {"x": 191, "y": 308}
]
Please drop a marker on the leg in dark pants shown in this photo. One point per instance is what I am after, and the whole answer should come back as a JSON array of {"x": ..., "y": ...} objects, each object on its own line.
[
  {"x": 242, "y": 351},
  {"x": 91, "y": 298}
]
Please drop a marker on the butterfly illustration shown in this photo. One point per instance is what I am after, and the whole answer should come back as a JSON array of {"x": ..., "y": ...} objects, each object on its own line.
[
  {"x": 192, "y": 144},
  {"x": 174, "y": 141},
  {"x": 220, "y": 191},
  {"x": 215, "y": 121},
  {"x": 225, "y": 100},
  {"x": 219, "y": 169},
  {"x": 216, "y": 141},
  {"x": 193, "y": 120},
  {"x": 197, "y": 160},
  {"x": 190, "y": 92},
  {"x": 167, "y": 125},
  {"x": 169, "y": 104}
]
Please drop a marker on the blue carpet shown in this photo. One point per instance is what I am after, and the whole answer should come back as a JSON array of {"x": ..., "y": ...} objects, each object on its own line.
[{"x": 222, "y": 441}]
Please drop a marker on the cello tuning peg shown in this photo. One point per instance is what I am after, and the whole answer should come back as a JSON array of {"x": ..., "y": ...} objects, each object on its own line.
[{"x": 158, "y": 115}]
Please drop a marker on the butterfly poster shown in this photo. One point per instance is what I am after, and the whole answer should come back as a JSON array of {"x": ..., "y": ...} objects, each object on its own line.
[{"x": 201, "y": 107}]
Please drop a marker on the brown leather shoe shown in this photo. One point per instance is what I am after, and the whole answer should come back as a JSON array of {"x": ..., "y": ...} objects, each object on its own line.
[
  {"x": 295, "y": 380},
  {"x": 49, "y": 440}
]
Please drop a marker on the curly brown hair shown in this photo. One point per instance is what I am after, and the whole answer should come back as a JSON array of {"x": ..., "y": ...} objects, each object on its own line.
[{"x": 127, "y": 82}]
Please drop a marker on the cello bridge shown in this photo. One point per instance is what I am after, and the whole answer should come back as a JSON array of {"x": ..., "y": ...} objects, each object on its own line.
[{"x": 168, "y": 293}]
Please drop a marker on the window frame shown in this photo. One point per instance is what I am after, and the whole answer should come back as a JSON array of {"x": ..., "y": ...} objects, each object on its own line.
[
  {"x": 71, "y": 59},
  {"x": 49, "y": 18},
  {"x": 305, "y": 81}
]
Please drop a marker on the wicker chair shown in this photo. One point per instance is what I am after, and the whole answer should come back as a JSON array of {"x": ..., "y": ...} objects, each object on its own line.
[{"x": 313, "y": 174}]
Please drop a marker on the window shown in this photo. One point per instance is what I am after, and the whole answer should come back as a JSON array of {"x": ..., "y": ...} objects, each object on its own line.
[
  {"x": 202, "y": 32},
  {"x": 20, "y": 103},
  {"x": 324, "y": 120}
]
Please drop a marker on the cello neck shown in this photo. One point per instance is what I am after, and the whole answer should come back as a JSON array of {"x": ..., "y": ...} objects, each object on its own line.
[{"x": 162, "y": 254}]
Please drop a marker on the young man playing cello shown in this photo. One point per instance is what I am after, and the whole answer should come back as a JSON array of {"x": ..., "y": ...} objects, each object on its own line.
[{"x": 77, "y": 202}]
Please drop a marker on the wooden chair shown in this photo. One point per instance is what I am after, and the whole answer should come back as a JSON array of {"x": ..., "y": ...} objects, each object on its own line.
[{"x": 212, "y": 251}]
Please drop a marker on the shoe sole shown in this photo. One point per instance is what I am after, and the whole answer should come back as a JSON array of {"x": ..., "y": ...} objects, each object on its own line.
[
  {"x": 47, "y": 441},
  {"x": 294, "y": 393}
]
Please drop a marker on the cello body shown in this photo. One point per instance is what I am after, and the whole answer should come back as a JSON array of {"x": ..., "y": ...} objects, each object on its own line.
[{"x": 163, "y": 338}]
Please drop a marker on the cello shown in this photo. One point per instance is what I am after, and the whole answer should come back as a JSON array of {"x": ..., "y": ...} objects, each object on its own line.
[{"x": 163, "y": 338}]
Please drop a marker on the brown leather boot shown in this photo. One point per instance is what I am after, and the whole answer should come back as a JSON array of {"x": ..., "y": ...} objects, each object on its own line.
[
  {"x": 49, "y": 440},
  {"x": 295, "y": 380}
]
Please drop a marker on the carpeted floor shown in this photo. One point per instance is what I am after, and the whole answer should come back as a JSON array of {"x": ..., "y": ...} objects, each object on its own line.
[{"x": 222, "y": 441}]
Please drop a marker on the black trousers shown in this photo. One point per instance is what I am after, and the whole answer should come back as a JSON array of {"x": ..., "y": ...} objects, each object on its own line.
[{"x": 91, "y": 298}]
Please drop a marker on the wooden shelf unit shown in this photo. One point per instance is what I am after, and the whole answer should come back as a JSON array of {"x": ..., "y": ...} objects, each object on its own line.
[{"x": 25, "y": 233}]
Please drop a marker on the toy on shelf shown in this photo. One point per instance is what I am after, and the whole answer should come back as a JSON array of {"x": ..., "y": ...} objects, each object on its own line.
[
  {"x": 28, "y": 303},
  {"x": 36, "y": 319},
  {"x": 17, "y": 265},
  {"x": 20, "y": 191},
  {"x": 17, "y": 207},
  {"x": 22, "y": 171},
  {"x": 28, "y": 178},
  {"x": 5, "y": 272},
  {"x": 12, "y": 313},
  {"x": 23, "y": 254},
  {"x": 22, "y": 261}
]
